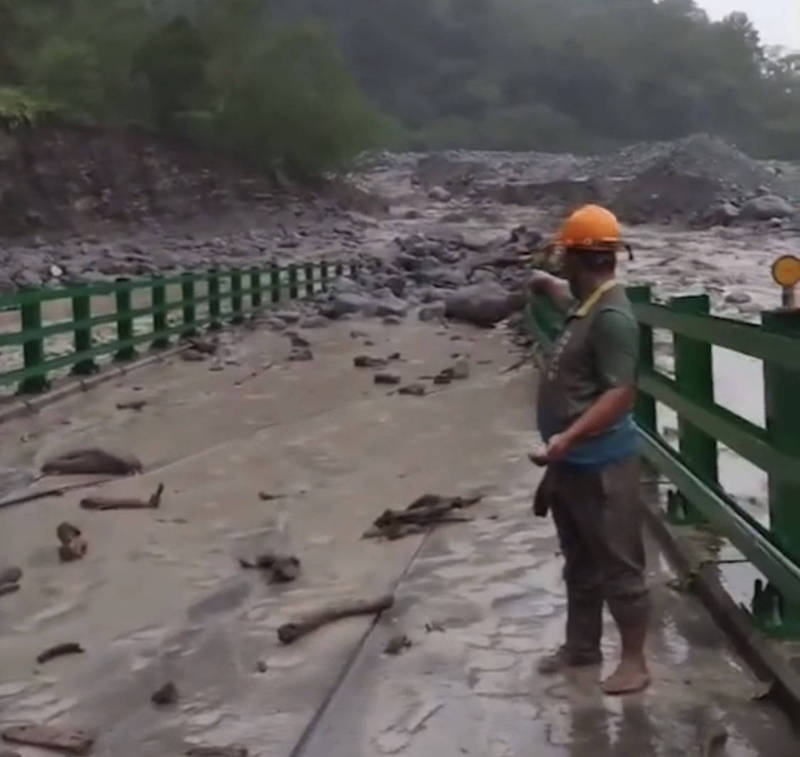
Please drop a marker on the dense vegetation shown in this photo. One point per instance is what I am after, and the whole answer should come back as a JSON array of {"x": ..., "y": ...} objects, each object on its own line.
[{"x": 307, "y": 83}]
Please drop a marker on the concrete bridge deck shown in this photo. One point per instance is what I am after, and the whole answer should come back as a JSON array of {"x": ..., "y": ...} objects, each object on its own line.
[{"x": 160, "y": 595}]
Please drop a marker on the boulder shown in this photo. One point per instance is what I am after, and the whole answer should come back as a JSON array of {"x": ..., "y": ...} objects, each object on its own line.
[
  {"x": 766, "y": 207},
  {"x": 348, "y": 303},
  {"x": 483, "y": 304},
  {"x": 432, "y": 312},
  {"x": 440, "y": 194}
]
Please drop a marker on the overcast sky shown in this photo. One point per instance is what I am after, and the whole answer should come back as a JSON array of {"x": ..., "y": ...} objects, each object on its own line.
[{"x": 777, "y": 20}]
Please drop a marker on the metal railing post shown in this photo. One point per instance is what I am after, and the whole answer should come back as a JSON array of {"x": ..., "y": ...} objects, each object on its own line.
[
  {"x": 324, "y": 275},
  {"x": 82, "y": 336},
  {"x": 212, "y": 282},
  {"x": 158, "y": 302},
  {"x": 33, "y": 348},
  {"x": 782, "y": 409},
  {"x": 255, "y": 287},
  {"x": 694, "y": 377},
  {"x": 189, "y": 313},
  {"x": 275, "y": 284},
  {"x": 645, "y": 409},
  {"x": 309, "y": 279},
  {"x": 124, "y": 321},
  {"x": 293, "y": 291},
  {"x": 236, "y": 296}
]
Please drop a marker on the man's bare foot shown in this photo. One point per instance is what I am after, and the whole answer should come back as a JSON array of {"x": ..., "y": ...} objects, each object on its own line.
[{"x": 630, "y": 677}]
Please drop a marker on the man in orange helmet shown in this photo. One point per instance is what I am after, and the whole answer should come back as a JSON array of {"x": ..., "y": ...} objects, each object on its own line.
[{"x": 585, "y": 401}]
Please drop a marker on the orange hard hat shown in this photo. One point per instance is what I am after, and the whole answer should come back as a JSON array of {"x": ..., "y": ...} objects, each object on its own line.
[{"x": 590, "y": 228}]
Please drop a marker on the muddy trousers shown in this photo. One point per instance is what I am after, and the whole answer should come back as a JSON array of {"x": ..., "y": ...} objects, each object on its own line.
[{"x": 599, "y": 521}]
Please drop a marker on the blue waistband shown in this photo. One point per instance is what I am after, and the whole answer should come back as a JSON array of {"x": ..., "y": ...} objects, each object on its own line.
[{"x": 615, "y": 444}]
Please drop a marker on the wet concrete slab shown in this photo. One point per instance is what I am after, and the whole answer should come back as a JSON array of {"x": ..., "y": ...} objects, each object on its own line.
[
  {"x": 160, "y": 595},
  {"x": 494, "y": 591}
]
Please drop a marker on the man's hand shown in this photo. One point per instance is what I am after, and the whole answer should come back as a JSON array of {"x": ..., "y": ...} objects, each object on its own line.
[
  {"x": 557, "y": 290},
  {"x": 556, "y": 449}
]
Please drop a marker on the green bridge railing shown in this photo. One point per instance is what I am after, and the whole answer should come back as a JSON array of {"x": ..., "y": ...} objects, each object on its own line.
[
  {"x": 702, "y": 424},
  {"x": 46, "y": 330}
]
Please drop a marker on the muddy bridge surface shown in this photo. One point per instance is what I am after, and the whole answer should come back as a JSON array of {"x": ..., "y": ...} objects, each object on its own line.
[{"x": 161, "y": 596}]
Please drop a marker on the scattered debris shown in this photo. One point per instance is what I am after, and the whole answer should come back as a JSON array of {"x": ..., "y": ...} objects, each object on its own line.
[
  {"x": 683, "y": 584},
  {"x": 90, "y": 461},
  {"x": 397, "y": 644},
  {"x": 434, "y": 626},
  {"x": 10, "y": 575},
  {"x": 297, "y": 341},
  {"x": 193, "y": 356},
  {"x": 390, "y": 379},
  {"x": 133, "y": 405},
  {"x": 73, "y": 545},
  {"x": 268, "y": 497},
  {"x": 10, "y": 588},
  {"x": 261, "y": 666},
  {"x": 294, "y": 630},
  {"x": 283, "y": 568},
  {"x": 112, "y": 503},
  {"x": 300, "y": 355},
  {"x": 766, "y": 692},
  {"x": 167, "y": 694},
  {"x": 420, "y": 515},
  {"x": 59, "y": 650},
  {"x": 413, "y": 390},
  {"x": 204, "y": 346},
  {"x": 366, "y": 361},
  {"x": 69, "y": 740},
  {"x": 217, "y": 751},
  {"x": 715, "y": 741}
]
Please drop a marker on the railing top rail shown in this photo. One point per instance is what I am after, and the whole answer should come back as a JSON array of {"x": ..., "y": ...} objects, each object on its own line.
[{"x": 747, "y": 338}]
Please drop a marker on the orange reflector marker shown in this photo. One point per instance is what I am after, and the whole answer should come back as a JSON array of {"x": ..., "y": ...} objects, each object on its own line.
[{"x": 786, "y": 271}]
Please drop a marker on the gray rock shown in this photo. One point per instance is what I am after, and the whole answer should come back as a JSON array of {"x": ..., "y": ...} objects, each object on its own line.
[
  {"x": 440, "y": 194},
  {"x": 432, "y": 312},
  {"x": 392, "y": 320},
  {"x": 388, "y": 304},
  {"x": 367, "y": 361},
  {"x": 313, "y": 322},
  {"x": 738, "y": 298},
  {"x": 347, "y": 304},
  {"x": 483, "y": 304},
  {"x": 460, "y": 369},
  {"x": 287, "y": 316},
  {"x": 720, "y": 214},
  {"x": 766, "y": 207}
]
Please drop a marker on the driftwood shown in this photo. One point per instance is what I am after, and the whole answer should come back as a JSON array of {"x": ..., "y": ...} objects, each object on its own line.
[
  {"x": 217, "y": 751},
  {"x": 132, "y": 405},
  {"x": 69, "y": 740},
  {"x": 58, "y": 651},
  {"x": 292, "y": 631},
  {"x": 123, "y": 503},
  {"x": 57, "y": 492},
  {"x": 420, "y": 515},
  {"x": 91, "y": 461},
  {"x": 282, "y": 568},
  {"x": 10, "y": 575}
]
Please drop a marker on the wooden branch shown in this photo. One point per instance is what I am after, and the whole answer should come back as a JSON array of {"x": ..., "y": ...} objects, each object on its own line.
[
  {"x": 123, "y": 503},
  {"x": 296, "y": 629}
]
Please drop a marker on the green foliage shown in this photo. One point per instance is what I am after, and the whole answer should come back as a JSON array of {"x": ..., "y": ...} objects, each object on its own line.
[
  {"x": 295, "y": 104},
  {"x": 297, "y": 83},
  {"x": 210, "y": 70},
  {"x": 173, "y": 60},
  {"x": 19, "y": 109}
]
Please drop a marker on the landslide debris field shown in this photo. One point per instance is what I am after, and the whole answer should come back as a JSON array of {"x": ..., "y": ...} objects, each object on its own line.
[{"x": 699, "y": 213}]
